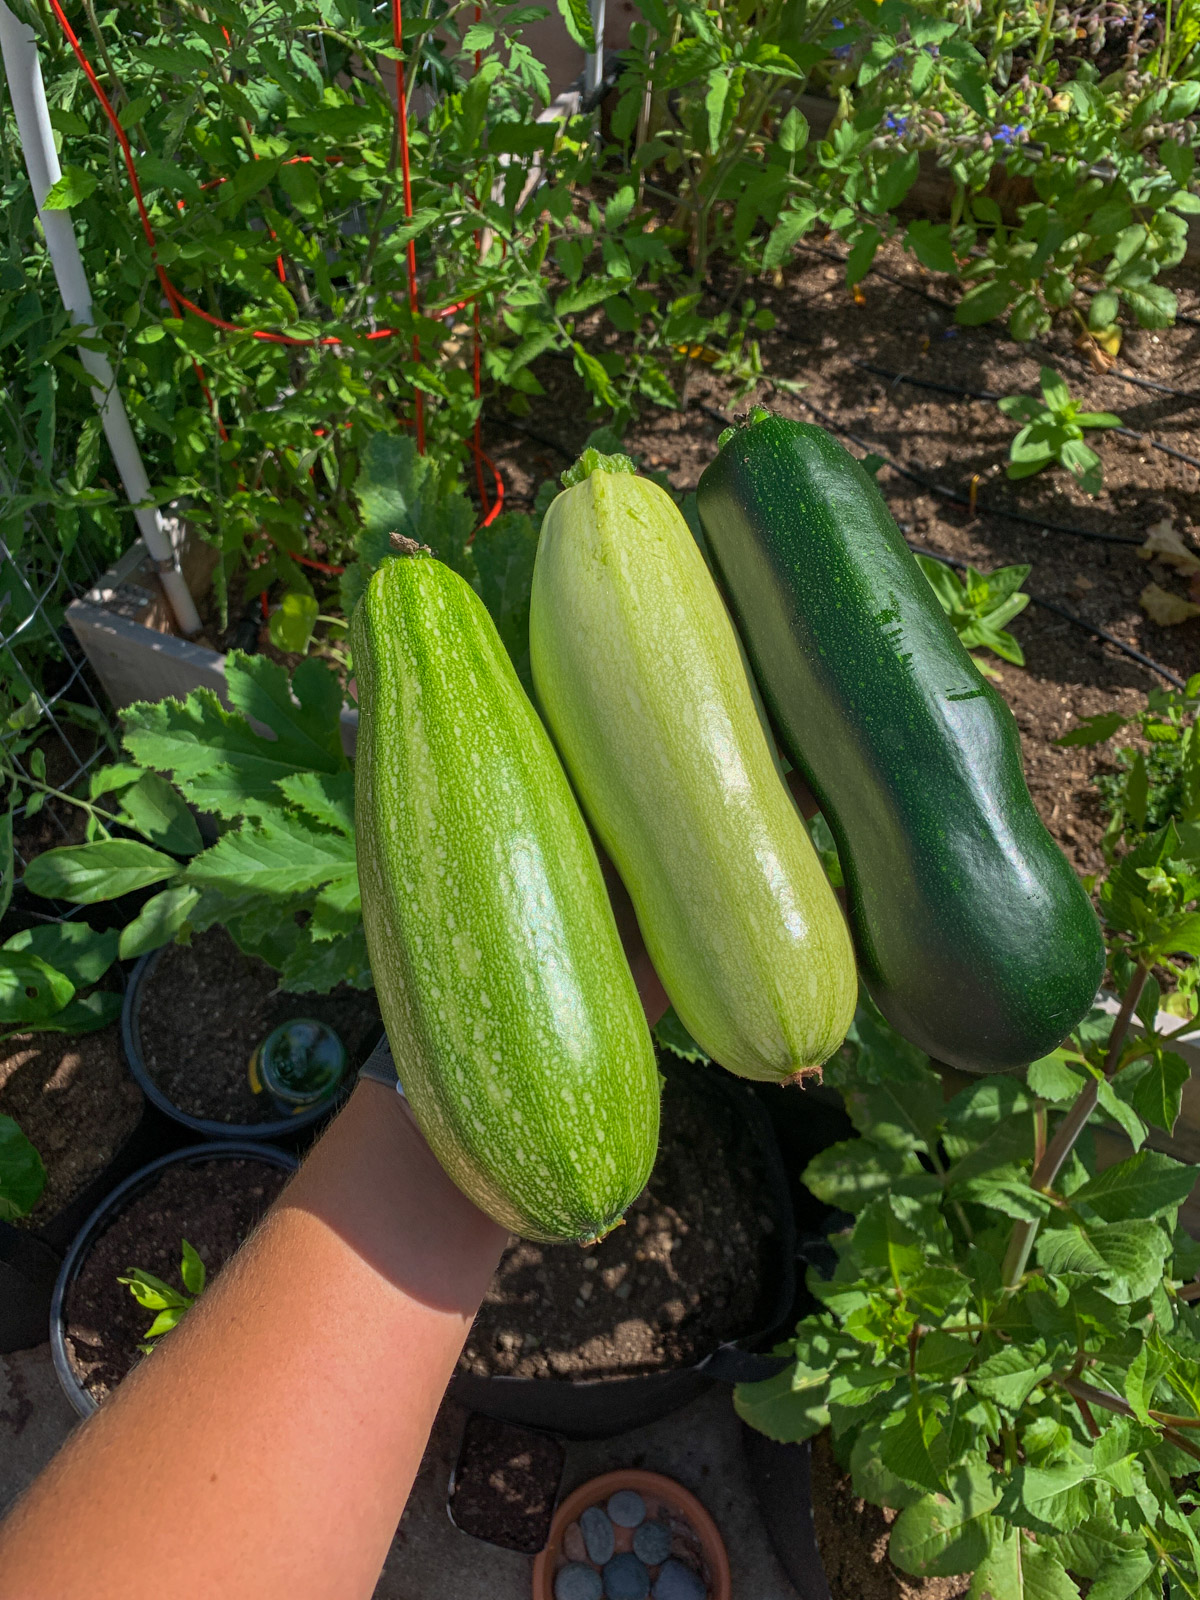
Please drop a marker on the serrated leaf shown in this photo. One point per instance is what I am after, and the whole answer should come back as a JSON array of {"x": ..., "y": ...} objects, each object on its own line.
[
  {"x": 905, "y": 1441},
  {"x": 871, "y": 1479},
  {"x": 1007, "y": 1190},
  {"x": 1052, "y": 1499},
  {"x": 1011, "y": 1374},
  {"x": 944, "y": 1534},
  {"x": 87, "y": 873},
  {"x": 1145, "y": 1185},
  {"x": 84, "y": 1014},
  {"x": 671, "y": 1034},
  {"x": 74, "y": 187},
  {"x": 1154, "y": 1087},
  {"x": 84, "y": 954},
  {"x": 304, "y": 715},
  {"x": 883, "y": 1242},
  {"x": 1123, "y": 1575},
  {"x": 317, "y": 967},
  {"x": 337, "y": 910},
  {"x": 1121, "y": 1112},
  {"x": 1054, "y": 1078},
  {"x": 578, "y": 18},
  {"x": 1128, "y": 1257},
  {"x": 22, "y": 1175},
  {"x": 275, "y": 859},
  {"x": 329, "y": 797},
  {"x": 159, "y": 920},
  {"x": 1016, "y": 1568},
  {"x": 783, "y": 1410}
]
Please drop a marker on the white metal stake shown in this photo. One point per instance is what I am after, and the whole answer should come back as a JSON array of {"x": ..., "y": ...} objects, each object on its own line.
[
  {"x": 18, "y": 45},
  {"x": 593, "y": 65}
]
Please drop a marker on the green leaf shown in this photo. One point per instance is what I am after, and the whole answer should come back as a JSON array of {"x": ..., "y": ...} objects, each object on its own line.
[
  {"x": 337, "y": 910},
  {"x": 1153, "y": 304},
  {"x": 82, "y": 953},
  {"x": 793, "y": 132},
  {"x": 852, "y": 1174},
  {"x": 304, "y": 716},
  {"x": 1094, "y": 730},
  {"x": 1121, "y": 1113},
  {"x": 1145, "y": 1185},
  {"x": 1016, "y": 1568},
  {"x": 1052, "y": 1499},
  {"x": 871, "y": 1479},
  {"x": 329, "y": 797},
  {"x": 158, "y": 812},
  {"x": 904, "y": 1445},
  {"x": 983, "y": 302},
  {"x": 280, "y": 857},
  {"x": 894, "y": 182},
  {"x": 1053, "y": 1078},
  {"x": 74, "y": 187},
  {"x": 7, "y": 872},
  {"x": 578, "y": 18},
  {"x": 191, "y": 1270},
  {"x": 22, "y": 1175},
  {"x": 84, "y": 1014},
  {"x": 291, "y": 624},
  {"x": 159, "y": 920},
  {"x": 1010, "y": 1375},
  {"x": 151, "y": 1292},
  {"x": 1126, "y": 1257},
  {"x": 862, "y": 252},
  {"x": 1124, "y": 1574},
  {"x": 504, "y": 555},
  {"x": 87, "y": 873},
  {"x": 782, "y": 1409},
  {"x": 1007, "y": 1190},
  {"x": 883, "y": 1242},
  {"x": 787, "y": 232},
  {"x": 930, "y": 243},
  {"x": 30, "y": 989},
  {"x": 1153, "y": 1086},
  {"x": 944, "y": 1534},
  {"x": 671, "y": 1034}
]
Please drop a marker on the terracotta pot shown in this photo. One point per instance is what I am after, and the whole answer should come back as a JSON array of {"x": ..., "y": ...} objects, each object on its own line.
[{"x": 660, "y": 1494}]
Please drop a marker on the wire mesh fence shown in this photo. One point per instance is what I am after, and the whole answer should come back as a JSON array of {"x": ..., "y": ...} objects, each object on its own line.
[{"x": 56, "y": 725}]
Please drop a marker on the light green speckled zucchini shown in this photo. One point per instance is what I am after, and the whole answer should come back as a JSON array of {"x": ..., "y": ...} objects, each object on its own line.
[{"x": 513, "y": 1018}]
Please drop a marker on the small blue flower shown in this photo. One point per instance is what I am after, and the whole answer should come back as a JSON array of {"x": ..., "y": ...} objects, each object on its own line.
[
  {"x": 838, "y": 23},
  {"x": 949, "y": 333},
  {"x": 1008, "y": 134},
  {"x": 895, "y": 124},
  {"x": 841, "y": 51}
]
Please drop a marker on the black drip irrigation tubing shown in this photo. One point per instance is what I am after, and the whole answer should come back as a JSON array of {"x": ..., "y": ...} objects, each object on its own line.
[
  {"x": 1072, "y": 617},
  {"x": 947, "y": 305},
  {"x": 987, "y": 394}
]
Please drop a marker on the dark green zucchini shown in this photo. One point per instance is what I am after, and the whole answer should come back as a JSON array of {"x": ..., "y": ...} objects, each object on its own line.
[{"x": 975, "y": 937}]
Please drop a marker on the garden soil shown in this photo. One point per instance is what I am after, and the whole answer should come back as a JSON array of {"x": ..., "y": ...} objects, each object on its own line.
[
  {"x": 505, "y": 1484},
  {"x": 213, "y": 1205},
  {"x": 690, "y": 1267},
  {"x": 72, "y": 1095},
  {"x": 823, "y": 335},
  {"x": 853, "y": 1536},
  {"x": 205, "y": 1009}
]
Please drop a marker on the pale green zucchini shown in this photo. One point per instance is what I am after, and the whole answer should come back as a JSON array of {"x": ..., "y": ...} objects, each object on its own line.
[
  {"x": 639, "y": 673},
  {"x": 514, "y": 1021}
]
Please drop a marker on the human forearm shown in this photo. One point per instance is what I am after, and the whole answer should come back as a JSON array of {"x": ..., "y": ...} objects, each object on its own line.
[{"x": 310, "y": 1372}]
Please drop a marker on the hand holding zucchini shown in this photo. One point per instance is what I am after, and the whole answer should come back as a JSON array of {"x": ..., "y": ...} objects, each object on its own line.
[
  {"x": 639, "y": 674},
  {"x": 974, "y": 935},
  {"x": 513, "y": 1018}
]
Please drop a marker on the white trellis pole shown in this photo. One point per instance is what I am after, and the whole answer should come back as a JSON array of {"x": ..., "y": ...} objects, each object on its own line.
[
  {"x": 593, "y": 64},
  {"x": 18, "y": 45}
]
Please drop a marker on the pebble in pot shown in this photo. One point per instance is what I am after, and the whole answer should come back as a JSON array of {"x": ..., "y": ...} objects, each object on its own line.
[
  {"x": 577, "y": 1582},
  {"x": 626, "y": 1578},
  {"x": 573, "y": 1546},
  {"x": 678, "y": 1582},
  {"x": 598, "y": 1535},
  {"x": 652, "y": 1543},
  {"x": 627, "y": 1508}
]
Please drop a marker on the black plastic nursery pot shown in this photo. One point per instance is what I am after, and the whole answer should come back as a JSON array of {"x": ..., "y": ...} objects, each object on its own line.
[
  {"x": 288, "y": 1127},
  {"x": 599, "y": 1408},
  {"x": 106, "y": 1213},
  {"x": 30, "y": 1258}
]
